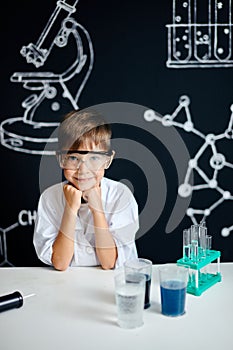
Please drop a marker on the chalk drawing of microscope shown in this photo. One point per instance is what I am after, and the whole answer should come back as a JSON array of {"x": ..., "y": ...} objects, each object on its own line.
[
  {"x": 201, "y": 34},
  {"x": 53, "y": 93}
]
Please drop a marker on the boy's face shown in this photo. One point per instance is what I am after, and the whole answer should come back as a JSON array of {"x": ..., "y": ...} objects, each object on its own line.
[{"x": 86, "y": 176}]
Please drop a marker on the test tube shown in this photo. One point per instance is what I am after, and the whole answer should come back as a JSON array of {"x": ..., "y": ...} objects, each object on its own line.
[
  {"x": 202, "y": 241},
  {"x": 208, "y": 243},
  {"x": 208, "y": 252},
  {"x": 194, "y": 242},
  {"x": 186, "y": 244}
]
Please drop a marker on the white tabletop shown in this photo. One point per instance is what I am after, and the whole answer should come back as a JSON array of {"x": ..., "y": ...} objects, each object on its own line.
[{"x": 76, "y": 309}]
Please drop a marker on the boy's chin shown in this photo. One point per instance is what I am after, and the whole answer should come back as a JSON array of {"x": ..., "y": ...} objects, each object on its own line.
[{"x": 87, "y": 185}]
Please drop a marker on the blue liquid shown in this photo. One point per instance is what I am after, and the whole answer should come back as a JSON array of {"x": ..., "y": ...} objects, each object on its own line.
[{"x": 173, "y": 298}]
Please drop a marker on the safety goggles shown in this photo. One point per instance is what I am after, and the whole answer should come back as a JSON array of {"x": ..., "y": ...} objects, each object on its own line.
[{"x": 94, "y": 160}]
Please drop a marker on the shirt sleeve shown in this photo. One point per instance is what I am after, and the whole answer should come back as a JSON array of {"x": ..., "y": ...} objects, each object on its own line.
[{"x": 45, "y": 232}]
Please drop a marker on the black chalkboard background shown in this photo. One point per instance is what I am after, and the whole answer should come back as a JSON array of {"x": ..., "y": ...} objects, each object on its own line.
[{"x": 130, "y": 41}]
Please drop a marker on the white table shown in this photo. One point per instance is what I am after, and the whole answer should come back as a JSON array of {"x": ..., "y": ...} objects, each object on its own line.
[{"x": 76, "y": 309}]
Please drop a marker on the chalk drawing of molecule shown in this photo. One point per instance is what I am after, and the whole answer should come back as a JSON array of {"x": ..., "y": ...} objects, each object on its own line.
[
  {"x": 3, "y": 244},
  {"x": 217, "y": 160},
  {"x": 25, "y": 218}
]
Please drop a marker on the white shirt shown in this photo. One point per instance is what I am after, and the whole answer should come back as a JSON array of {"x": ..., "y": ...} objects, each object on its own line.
[{"x": 121, "y": 212}]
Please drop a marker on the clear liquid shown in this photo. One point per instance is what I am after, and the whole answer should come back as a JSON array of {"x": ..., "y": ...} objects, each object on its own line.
[
  {"x": 130, "y": 305},
  {"x": 194, "y": 251}
]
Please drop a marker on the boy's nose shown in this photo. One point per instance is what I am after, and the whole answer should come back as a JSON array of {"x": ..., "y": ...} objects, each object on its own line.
[{"x": 82, "y": 165}]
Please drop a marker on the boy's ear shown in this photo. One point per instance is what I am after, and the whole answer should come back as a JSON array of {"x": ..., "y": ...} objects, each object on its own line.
[{"x": 109, "y": 162}]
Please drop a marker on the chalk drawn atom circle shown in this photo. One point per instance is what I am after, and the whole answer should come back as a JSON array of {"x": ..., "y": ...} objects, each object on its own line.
[
  {"x": 192, "y": 163},
  {"x": 185, "y": 190},
  {"x": 166, "y": 121},
  {"x": 217, "y": 161},
  {"x": 210, "y": 139},
  {"x": 188, "y": 126},
  {"x": 184, "y": 101},
  {"x": 225, "y": 232},
  {"x": 149, "y": 115},
  {"x": 213, "y": 183},
  {"x": 55, "y": 106},
  {"x": 229, "y": 134},
  {"x": 189, "y": 211},
  {"x": 226, "y": 194}
]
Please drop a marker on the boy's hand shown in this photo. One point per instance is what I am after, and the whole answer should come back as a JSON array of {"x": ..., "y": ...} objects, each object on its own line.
[
  {"x": 73, "y": 197},
  {"x": 93, "y": 197}
]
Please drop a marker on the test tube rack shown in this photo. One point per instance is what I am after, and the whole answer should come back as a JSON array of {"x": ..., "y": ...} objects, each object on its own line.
[{"x": 200, "y": 278}]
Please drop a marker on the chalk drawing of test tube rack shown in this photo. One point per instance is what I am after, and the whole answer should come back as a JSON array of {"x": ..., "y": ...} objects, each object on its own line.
[
  {"x": 200, "y": 34},
  {"x": 32, "y": 132}
]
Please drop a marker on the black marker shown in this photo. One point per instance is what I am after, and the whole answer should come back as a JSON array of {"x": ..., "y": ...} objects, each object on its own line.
[{"x": 12, "y": 301}]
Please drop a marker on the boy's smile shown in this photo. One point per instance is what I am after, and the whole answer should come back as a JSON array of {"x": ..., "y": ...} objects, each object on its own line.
[
  {"x": 84, "y": 179},
  {"x": 85, "y": 183}
]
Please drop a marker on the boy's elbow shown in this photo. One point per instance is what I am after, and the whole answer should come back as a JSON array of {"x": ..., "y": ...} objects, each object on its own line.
[
  {"x": 108, "y": 266},
  {"x": 59, "y": 265}
]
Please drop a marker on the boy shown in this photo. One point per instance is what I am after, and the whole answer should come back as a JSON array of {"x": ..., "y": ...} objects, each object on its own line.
[{"x": 88, "y": 220}]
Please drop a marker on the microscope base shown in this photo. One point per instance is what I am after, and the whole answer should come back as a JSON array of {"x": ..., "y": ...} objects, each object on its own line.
[{"x": 32, "y": 138}]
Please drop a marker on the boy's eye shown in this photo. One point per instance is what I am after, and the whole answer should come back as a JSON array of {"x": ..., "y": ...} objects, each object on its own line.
[
  {"x": 72, "y": 158},
  {"x": 95, "y": 158}
]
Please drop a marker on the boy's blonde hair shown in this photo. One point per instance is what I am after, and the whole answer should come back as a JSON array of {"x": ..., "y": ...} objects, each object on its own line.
[{"x": 81, "y": 128}]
